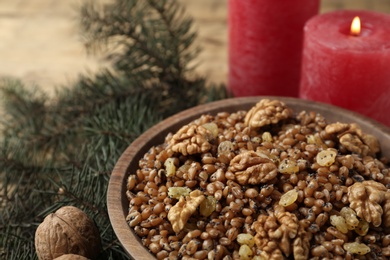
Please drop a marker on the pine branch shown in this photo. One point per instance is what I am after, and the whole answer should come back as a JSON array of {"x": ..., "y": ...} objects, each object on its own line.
[
  {"x": 61, "y": 151},
  {"x": 12, "y": 238},
  {"x": 154, "y": 35}
]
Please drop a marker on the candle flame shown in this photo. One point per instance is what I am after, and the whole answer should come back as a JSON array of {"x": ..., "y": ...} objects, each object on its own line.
[{"x": 356, "y": 26}]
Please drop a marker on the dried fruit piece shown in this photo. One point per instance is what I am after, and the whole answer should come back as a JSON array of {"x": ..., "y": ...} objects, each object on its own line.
[
  {"x": 315, "y": 139},
  {"x": 256, "y": 139},
  {"x": 170, "y": 167},
  {"x": 362, "y": 228},
  {"x": 246, "y": 239},
  {"x": 288, "y": 198},
  {"x": 259, "y": 257},
  {"x": 339, "y": 223},
  {"x": 245, "y": 252},
  {"x": 212, "y": 127},
  {"x": 177, "y": 192},
  {"x": 288, "y": 166},
  {"x": 310, "y": 139},
  {"x": 207, "y": 207},
  {"x": 350, "y": 217},
  {"x": 225, "y": 147},
  {"x": 356, "y": 248},
  {"x": 326, "y": 157},
  {"x": 266, "y": 137}
]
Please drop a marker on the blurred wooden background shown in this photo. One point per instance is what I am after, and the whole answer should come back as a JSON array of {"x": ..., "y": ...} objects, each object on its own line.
[{"x": 40, "y": 43}]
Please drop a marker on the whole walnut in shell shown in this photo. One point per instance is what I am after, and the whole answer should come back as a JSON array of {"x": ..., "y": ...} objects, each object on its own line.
[
  {"x": 71, "y": 257},
  {"x": 67, "y": 231}
]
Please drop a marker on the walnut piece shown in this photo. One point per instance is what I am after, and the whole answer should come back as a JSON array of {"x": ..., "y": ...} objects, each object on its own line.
[
  {"x": 354, "y": 139},
  {"x": 251, "y": 168},
  {"x": 353, "y": 143},
  {"x": 267, "y": 112},
  {"x": 365, "y": 198},
  {"x": 372, "y": 142},
  {"x": 386, "y": 210},
  {"x": 67, "y": 231},
  {"x": 301, "y": 245},
  {"x": 191, "y": 139},
  {"x": 276, "y": 233},
  {"x": 273, "y": 255},
  {"x": 179, "y": 214},
  {"x": 336, "y": 128}
]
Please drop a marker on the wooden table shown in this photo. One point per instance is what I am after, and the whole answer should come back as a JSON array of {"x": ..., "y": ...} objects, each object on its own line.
[{"x": 35, "y": 33}]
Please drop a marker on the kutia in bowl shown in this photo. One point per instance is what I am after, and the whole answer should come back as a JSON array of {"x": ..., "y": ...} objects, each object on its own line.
[{"x": 255, "y": 178}]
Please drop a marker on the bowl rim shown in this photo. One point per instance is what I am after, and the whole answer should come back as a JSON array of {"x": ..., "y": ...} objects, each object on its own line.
[{"x": 118, "y": 180}]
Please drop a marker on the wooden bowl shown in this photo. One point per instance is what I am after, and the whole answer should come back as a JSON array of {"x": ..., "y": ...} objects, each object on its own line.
[{"x": 116, "y": 198}]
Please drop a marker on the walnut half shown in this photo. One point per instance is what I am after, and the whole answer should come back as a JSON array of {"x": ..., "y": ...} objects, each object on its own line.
[
  {"x": 276, "y": 234},
  {"x": 365, "y": 198},
  {"x": 267, "y": 112},
  {"x": 354, "y": 139},
  {"x": 179, "y": 214},
  {"x": 251, "y": 168},
  {"x": 191, "y": 139}
]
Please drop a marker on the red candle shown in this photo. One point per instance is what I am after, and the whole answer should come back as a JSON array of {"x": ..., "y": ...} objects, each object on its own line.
[
  {"x": 265, "y": 45},
  {"x": 347, "y": 69}
]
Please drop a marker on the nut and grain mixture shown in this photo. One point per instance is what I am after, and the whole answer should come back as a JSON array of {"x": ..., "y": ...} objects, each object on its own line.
[{"x": 263, "y": 184}]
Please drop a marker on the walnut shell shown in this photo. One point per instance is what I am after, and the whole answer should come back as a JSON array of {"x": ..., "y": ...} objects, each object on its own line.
[
  {"x": 67, "y": 231},
  {"x": 71, "y": 257}
]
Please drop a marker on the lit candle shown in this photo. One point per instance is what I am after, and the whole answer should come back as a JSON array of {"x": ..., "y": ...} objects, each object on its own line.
[
  {"x": 265, "y": 45},
  {"x": 347, "y": 63}
]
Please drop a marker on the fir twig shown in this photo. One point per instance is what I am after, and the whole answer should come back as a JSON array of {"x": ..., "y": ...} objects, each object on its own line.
[{"x": 61, "y": 151}]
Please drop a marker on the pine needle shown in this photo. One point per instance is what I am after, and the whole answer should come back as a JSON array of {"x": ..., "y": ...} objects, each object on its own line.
[{"x": 61, "y": 151}]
